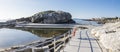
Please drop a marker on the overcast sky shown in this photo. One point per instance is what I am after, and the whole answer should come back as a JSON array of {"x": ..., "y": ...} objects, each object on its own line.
[{"x": 12, "y": 9}]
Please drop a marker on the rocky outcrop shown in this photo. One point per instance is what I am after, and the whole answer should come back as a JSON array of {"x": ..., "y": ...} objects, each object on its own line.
[
  {"x": 108, "y": 35},
  {"x": 49, "y": 17},
  {"x": 52, "y": 17}
]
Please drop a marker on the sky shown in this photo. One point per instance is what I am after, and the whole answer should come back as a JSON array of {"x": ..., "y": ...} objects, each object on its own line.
[{"x": 83, "y": 9}]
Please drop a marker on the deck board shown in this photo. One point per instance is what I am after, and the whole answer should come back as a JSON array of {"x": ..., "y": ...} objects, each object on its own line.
[{"x": 82, "y": 42}]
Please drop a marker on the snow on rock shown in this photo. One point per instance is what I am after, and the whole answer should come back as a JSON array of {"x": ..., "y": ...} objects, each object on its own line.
[{"x": 108, "y": 35}]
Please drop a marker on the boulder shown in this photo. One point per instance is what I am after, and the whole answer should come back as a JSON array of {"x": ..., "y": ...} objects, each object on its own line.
[
  {"x": 46, "y": 17},
  {"x": 52, "y": 17}
]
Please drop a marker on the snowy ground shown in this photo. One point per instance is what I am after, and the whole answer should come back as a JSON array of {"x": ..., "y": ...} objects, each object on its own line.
[{"x": 108, "y": 35}]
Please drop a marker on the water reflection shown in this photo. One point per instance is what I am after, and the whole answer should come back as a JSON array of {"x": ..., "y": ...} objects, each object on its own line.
[
  {"x": 14, "y": 37},
  {"x": 46, "y": 32}
]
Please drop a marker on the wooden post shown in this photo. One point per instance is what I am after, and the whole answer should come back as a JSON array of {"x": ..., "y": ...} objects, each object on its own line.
[
  {"x": 33, "y": 49},
  {"x": 65, "y": 39},
  {"x": 69, "y": 34},
  {"x": 110, "y": 50},
  {"x": 64, "y": 42},
  {"x": 54, "y": 44},
  {"x": 107, "y": 50}
]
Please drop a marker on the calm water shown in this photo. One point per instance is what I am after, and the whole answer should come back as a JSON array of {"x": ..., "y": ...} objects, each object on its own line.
[{"x": 13, "y": 37}]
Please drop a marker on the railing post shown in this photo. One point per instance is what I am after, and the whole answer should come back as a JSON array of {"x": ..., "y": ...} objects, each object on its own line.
[
  {"x": 69, "y": 34},
  {"x": 54, "y": 44},
  {"x": 64, "y": 39},
  {"x": 64, "y": 42},
  {"x": 33, "y": 49}
]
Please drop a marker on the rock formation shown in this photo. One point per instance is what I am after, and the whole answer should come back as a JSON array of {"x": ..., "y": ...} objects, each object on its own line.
[
  {"x": 108, "y": 35},
  {"x": 49, "y": 17},
  {"x": 52, "y": 17}
]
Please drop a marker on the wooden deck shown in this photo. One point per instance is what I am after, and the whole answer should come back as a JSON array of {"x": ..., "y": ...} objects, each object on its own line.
[{"x": 82, "y": 42}]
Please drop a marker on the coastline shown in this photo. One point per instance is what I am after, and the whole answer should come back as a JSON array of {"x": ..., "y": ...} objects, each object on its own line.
[{"x": 25, "y": 45}]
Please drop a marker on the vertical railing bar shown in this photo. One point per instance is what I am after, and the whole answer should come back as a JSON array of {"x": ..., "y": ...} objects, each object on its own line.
[
  {"x": 33, "y": 49},
  {"x": 54, "y": 44},
  {"x": 69, "y": 36}
]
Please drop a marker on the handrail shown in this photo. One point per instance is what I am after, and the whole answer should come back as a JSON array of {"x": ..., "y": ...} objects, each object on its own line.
[
  {"x": 54, "y": 41},
  {"x": 59, "y": 38},
  {"x": 55, "y": 38}
]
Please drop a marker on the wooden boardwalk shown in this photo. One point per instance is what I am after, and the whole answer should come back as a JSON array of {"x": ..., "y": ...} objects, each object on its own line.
[{"x": 82, "y": 42}]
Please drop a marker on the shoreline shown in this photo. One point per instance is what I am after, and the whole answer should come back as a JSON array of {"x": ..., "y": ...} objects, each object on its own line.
[{"x": 26, "y": 45}]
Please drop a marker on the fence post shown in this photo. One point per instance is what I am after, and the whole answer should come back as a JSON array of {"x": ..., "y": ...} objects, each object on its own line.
[
  {"x": 110, "y": 50},
  {"x": 69, "y": 34},
  {"x": 54, "y": 44},
  {"x": 65, "y": 39},
  {"x": 33, "y": 49}
]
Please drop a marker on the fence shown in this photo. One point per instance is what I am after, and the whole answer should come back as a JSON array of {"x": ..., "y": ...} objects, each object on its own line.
[{"x": 54, "y": 44}]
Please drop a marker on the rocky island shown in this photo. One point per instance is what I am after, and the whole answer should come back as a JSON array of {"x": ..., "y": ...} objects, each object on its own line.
[{"x": 47, "y": 17}]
